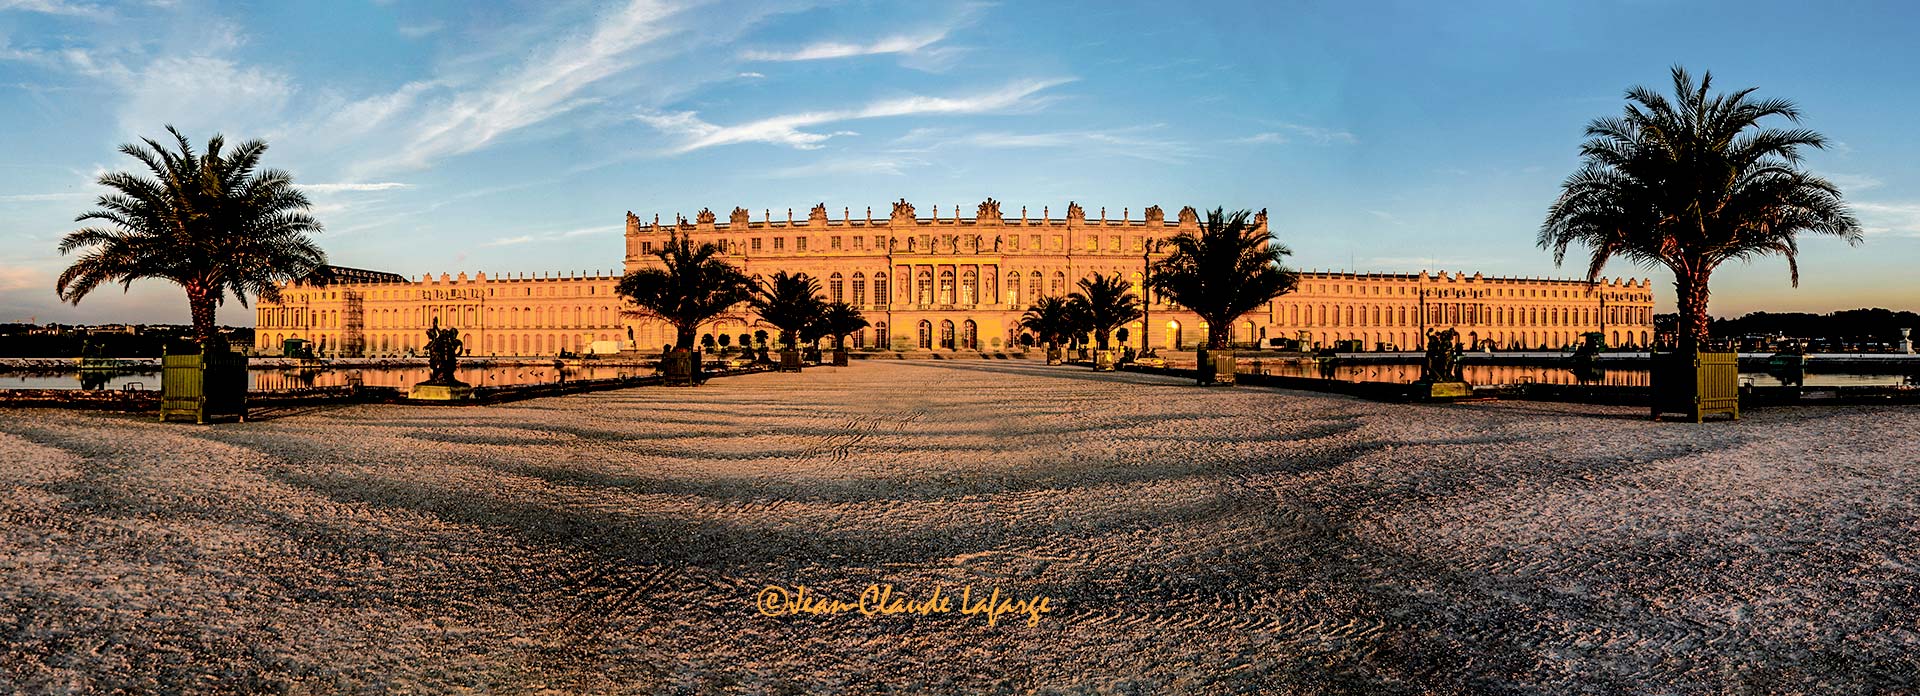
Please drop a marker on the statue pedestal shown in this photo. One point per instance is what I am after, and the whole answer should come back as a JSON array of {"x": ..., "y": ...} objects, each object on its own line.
[
  {"x": 426, "y": 391},
  {"x": 1441, "y": 391}
]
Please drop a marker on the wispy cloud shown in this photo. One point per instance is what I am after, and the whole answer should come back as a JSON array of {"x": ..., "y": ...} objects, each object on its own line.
[
  {"x": 1134, "y": 142},
  {"x": 1294, "y": 132},
  {"x": 1855, "y": 182},
  {"x": 842, "y": 166},
  {"x": 550, "y": 85},
  {"x": 833, "y": 49},
  {"x": 40, "y": 197},
  {"x": 1889, "y": 219},
  {"x": 594, "y": 231},
  {"x": 58, "y": 7},
  {"x": 21, "y": 278},
  {"x": 415, "y": 31},
  {"x": 355, "y": 186},
  {"x": 792, "y": 129},
  {"x": 750, "y": 75}
]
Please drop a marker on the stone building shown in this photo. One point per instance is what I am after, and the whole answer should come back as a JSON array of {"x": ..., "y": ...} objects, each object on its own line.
[{"x": 943, "y": 282}]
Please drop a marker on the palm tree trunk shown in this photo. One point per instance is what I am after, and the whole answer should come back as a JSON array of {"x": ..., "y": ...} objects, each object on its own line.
[
  {"x": 1692, "y": 302},
  {"x": 201, "y": 305},
  {"x": 1217, "y": 339}
]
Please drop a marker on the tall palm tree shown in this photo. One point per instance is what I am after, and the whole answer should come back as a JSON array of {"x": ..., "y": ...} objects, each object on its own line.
[
  {"x": 1106, "y": 302},
  {"x": 1691, "y": 183},
  {"x": 691, "y": 287},
  {"x": 1051, "y": 319},
  {"x": 1231, "y": 267},
  {"x": 789, "y": 302},
  {"x": 837, "y": 319},
  {"x": 213, "y": 223}
]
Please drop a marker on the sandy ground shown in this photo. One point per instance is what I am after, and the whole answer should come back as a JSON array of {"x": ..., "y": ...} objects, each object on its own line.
[{"x": 1190, "y": 541}]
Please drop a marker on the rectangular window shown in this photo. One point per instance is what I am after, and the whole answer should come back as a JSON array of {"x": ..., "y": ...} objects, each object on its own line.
[
  {"x": 779, "y": 243},
  {"x": 834, "y": 243},
  {"x": 1113, "y": 243},
  {"x": 1013, "y": 242},
  {"x": 859, "y": 242},
  {"x": 754, "y": 243},
  {"x": 799, "y": 243},
  {"x": 1059, "y": 242}
]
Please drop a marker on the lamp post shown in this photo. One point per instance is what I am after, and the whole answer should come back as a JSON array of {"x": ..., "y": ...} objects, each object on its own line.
[{"x": 1146, "y": 294}]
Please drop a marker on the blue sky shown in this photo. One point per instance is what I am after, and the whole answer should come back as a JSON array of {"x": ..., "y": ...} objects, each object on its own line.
[{"x": 512, "y": 136}]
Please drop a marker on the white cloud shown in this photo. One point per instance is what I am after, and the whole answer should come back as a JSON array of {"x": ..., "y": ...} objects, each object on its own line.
[
  {"x": 1123, "y": 142},
  {"x": 596, "y": 230},
  {"x": 788, "y": 129},
  {"x": 355, "y": 186},
  {"x": 58, "y": 7},
  {"x": 548, "y": 86},
  {"x": 415, "y": 31},
  {"x": 40, "y": 197},
  {"x": 1888, "y": 219},
  {"x": 1854, "y": 182},
  {"x": 750, "y": 75},
  {"x": 829, "y": 50},
  {"x": 1289, "y": 132},
  {"x": 848, "y": 165}
]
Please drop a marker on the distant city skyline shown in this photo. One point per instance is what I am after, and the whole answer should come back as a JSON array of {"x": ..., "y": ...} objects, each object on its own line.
[{"x": 512, "y": 138}]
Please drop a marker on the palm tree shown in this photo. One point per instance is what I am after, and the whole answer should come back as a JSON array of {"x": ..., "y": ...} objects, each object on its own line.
[
  {"x": 789, "y": 302},
  {"x": 1231, "y": 267},
  {"x": 837, "y": 319},
  {"x": 691, "y": 287},
  {"x": 212, "y": 223},
  {"x": 1691, "y": 183},
  {"x": 1105, "y": 303},
  {"x": 1051, "y": 319}
]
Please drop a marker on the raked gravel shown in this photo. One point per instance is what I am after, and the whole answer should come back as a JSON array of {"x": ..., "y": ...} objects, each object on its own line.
[{"x": 1192, "y": 540}]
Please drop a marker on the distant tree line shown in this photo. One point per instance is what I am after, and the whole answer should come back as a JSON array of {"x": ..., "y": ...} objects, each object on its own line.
[
  {"x": 22, "y": 341},
  {"x": 1870, "y": 325}
]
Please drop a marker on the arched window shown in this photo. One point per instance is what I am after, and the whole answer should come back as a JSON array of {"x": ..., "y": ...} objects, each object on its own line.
[
  {"x": 1033, "y": 287},
  {"x": 880, "y": 338},
  {"x": 969, "y": 335},
  {"x": 1013, "y": 288},
  {"x": 926, "y": 335},
  {"x": 946, "y": 286},
  {"x": 946, "y": 334},
  {"x": 859, "y": 288},
  {"x": 970, "y": 287},
  {"x": 1058, "y": 288},
  {"x": 880, "y": 295},
  {"x": 834, "y": 288},
  {"x": 923, "y": 287}
]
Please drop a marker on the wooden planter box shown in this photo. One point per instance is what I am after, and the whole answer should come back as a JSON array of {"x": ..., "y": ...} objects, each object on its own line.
[
  {"x": 1695, "y": 385},
  {"x": 1103, "y": 360},
  {"x": 839, "y": 357},
  {"x": 681, "y": 368},
  {"x": 789, "y": 361},
  {"x": 1215, "y": 367},
  {"x": 203, "y": 386},
  {"x": 1056, "y": 355}
]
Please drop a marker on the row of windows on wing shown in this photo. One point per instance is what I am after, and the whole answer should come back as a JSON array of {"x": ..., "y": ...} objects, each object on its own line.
[
  {"x": 495, "y": 317},
  {"x": 928, "y": 243},
  {"x": 1453, "y": 293},
  {"x": 1463, "y": 313},
  {"x": 562, "y": 290},
  {"x": 969, "y": 288}
]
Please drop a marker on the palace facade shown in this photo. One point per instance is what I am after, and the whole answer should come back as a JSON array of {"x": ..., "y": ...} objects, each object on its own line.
[{"x": 942, "y": 282}]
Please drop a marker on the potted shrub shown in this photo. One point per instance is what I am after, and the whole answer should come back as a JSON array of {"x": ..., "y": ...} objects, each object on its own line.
[
  {"x": 1689, "y": 183},
  {"x": 212, "y": 222},
  {"x": 839, "y": 319},
  {"x": 1230, "y": 267},
  {"x": 690, "y": 286},
  {"x": 790, "y": 302},
  {"x": 1052, "y": 319}
]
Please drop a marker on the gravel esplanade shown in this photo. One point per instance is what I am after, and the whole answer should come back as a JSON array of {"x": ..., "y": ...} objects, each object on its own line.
[{"x": 1189, "y": 540}]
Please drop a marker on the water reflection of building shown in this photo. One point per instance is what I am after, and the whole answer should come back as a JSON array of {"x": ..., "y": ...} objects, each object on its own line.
[{"x": 943, "y": 282}]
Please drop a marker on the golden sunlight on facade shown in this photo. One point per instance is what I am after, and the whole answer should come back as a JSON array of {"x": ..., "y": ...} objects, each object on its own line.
[{"x": 942, "y": 282}]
